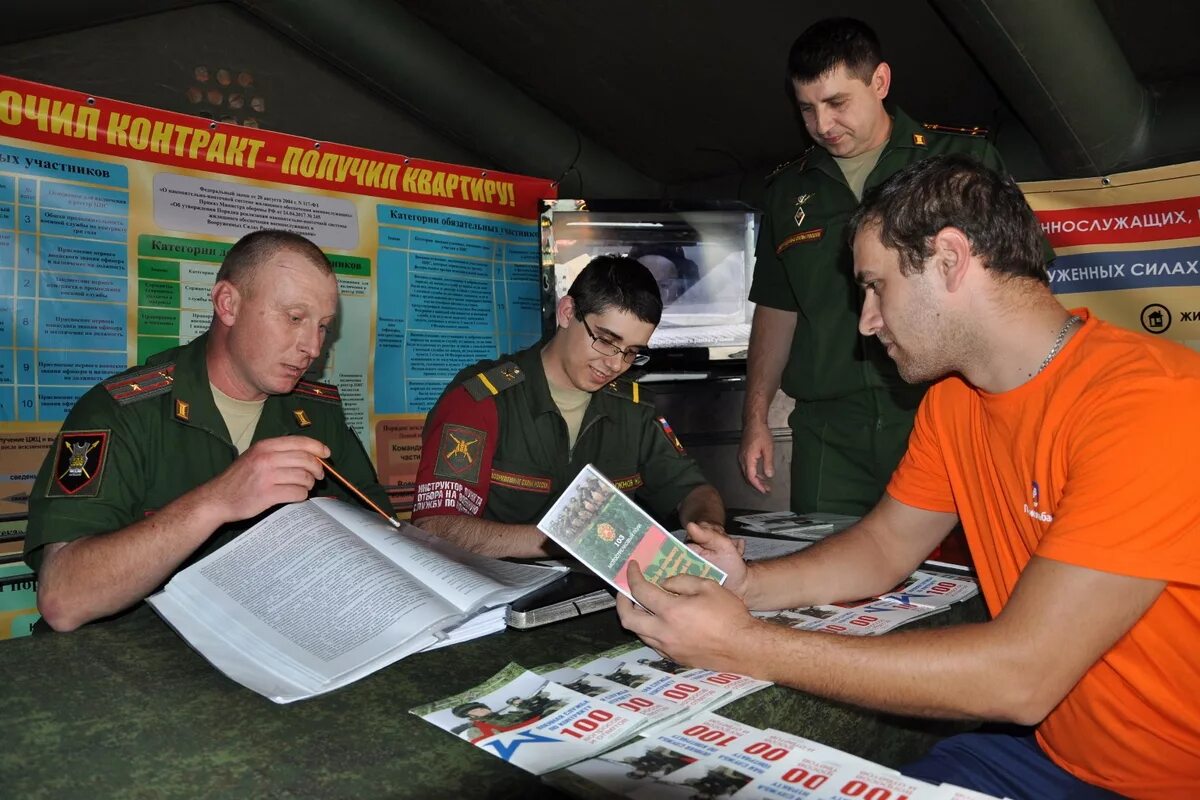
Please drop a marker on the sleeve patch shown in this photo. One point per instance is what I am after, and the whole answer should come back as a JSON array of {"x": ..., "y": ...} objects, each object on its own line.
[
  {"x": 79, "y": 461},
  {"x": 446, "y": 496},
  {"x": 665, "y": 427},
  {"x": 460, "y": 453}
]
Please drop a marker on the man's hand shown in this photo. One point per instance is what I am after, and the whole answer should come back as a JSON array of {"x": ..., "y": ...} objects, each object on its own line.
[
  {"x": 694, "y": 621},
  {"x": 273, "y": 471},
  {"x": 757, "y": 448},
  {"x": 710, "y": 541}
]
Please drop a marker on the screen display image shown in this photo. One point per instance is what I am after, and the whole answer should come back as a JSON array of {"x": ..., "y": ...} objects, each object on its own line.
[{"x": 701, "y": 255}]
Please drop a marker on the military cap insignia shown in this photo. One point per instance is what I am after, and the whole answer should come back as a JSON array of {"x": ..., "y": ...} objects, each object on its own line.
[
  {"x": 325, "y": 392},
  {"x": 493, "y": 381},
  {"x": 919, "y": 140},
  {"x": 301, "y": 418},
  {"x": 79, "y": 462},
  {"x": 460, "y": 453},
  {"x": 183, "y": 410},
  {"x": 141, "y": 384},
  {"x": 800, "y": 201},
  {"x": 669, "y": 432}
]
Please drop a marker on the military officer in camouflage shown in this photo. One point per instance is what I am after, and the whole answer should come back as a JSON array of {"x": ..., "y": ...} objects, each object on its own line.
[
  {"x": 508, "y": 436},
  {"x": 853, "y": 412},
  {"x": 164, "y": 463}
]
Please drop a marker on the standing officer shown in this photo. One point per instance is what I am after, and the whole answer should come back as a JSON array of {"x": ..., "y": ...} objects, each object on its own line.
[
  {"x": 853, "y": 413},
  {"x": 507, "y": 437},
  {"x": 165, "y": 463}
]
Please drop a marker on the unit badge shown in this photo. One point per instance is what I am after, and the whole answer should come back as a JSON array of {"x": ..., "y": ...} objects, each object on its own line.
[
  {"x": 460, "y": 453},
  {"x": 301, "y": 418},
  {"x": 79, "y": 464},
  {"x": 800, "y": 201}
]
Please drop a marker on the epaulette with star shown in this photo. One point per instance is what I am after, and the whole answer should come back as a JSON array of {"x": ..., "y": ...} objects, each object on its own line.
[
  {"x": 629, "y": 390},
  {"x": 493, "y": 381},
  {"x": 326, "y": 392},
  {"x": 141, "y": 383},
  {"x": 971, "y": 131},
  {"x": 798, "y": 162}
]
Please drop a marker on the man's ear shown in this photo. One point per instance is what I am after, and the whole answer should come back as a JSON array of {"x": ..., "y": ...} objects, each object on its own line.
[
  {"x": 565, "y": 311},
  {"x": 951, "y": 256},
  {"x": 881, "y": 80},
  {"x": 227, "y": 301}
]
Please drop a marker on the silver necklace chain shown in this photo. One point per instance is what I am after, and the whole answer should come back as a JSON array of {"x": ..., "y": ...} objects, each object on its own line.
[{"x": 1058, "y": 342}]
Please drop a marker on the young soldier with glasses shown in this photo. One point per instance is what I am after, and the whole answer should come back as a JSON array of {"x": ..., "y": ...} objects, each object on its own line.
[{"x": 507, "y": 436}]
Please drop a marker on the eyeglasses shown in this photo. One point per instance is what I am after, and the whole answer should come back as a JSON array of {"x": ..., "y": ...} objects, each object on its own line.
[{"x": 603, "y": 346}]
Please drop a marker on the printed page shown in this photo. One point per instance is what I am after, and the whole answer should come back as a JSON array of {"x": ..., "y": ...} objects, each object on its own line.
[
  {"x": 760, "y": 549},
  {"x": 595, "y": 522},
  {"x": 531, "y": 722},
  {"x": 301, "y": 584},
  {"x": 785, "y": 523},
  {"x": 466, "y": 580}
]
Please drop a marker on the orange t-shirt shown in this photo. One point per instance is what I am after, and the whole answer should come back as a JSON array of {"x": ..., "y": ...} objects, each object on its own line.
[{"x": 1092, "y": 463}]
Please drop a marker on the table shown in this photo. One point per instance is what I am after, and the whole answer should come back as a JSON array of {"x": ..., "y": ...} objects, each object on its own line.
[{"x": 126, "y": 709}]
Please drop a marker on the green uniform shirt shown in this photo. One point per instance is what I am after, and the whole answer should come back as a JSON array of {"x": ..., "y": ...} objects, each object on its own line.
[
  {"x": 495, "y": 446},
  {"x": 136, "y": 442},
  {"x": 804, "y": 264}
]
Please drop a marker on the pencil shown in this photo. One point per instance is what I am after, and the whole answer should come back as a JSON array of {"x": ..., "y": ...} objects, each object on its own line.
[{"x": 342, "y": 480}]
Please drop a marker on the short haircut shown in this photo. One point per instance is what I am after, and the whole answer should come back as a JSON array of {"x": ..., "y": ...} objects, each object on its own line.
[
  {"x": 956, "y": 191},
  {"x": 616, "y": 282},
  {"x": 832, "y": 42},
  {"x": 255, "y": 249}
]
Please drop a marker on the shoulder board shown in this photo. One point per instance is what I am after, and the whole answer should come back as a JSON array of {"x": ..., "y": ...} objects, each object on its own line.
[
  {"x": 629, "y": 390},
  {"x": 975, "y": 131},
  {"x": 798, "y": 162},
  {"x": 493, "y": 381},
  {"x": 318, "y": 391},
  {"x": 141, "y": 383}
]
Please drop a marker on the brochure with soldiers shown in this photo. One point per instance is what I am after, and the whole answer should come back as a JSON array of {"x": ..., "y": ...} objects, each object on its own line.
[
  {"x": 321, "y": 593},
  {"x": 736, "y": 685},
  {"x": 655, "y": 710},
  {"x": 594, "y": 521},
  {"x": 922, "y": 594},
  {"x": 729, "y": 768},
  {"x": 636, "y": 769},
  {"x": 532, "y": 722}
]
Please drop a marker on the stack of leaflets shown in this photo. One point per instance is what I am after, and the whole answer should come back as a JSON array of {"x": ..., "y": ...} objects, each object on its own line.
[
  {"x": 709, "y": 756},
  {"x": 921, "y": 595},
  {"x": 788, "y": 524},
  {"x": 544, "y": 719},
  {"x": 599, "y": 525}
]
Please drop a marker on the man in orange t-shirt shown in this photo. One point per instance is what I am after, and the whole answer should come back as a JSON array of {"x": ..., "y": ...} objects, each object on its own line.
[{"x": 1063, "y": 445}]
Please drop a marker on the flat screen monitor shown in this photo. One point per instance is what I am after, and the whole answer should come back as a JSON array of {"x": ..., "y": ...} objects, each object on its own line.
[{"x": 702, "y": 255}]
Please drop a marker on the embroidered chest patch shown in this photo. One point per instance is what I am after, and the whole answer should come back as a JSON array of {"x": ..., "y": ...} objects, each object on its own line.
[{"x": 79, "y": 464}]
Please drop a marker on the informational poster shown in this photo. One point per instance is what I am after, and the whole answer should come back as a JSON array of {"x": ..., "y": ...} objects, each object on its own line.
[
  {"x": 1128, "y": 247},
  {"x": 114, "y": 219}
]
